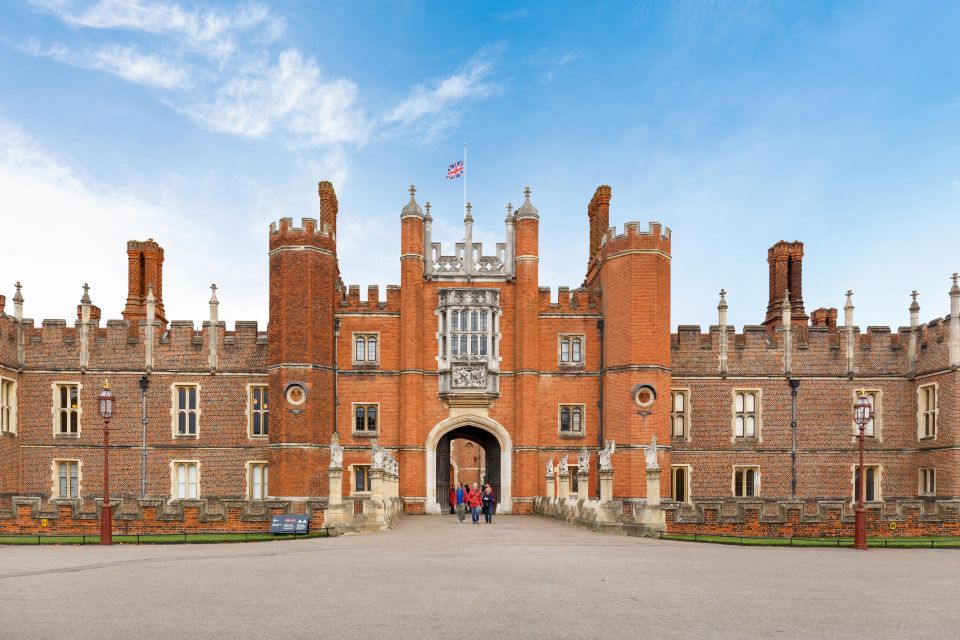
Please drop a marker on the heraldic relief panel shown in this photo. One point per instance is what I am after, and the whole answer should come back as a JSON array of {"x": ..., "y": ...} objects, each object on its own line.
[{"x": 468, "y": 344}]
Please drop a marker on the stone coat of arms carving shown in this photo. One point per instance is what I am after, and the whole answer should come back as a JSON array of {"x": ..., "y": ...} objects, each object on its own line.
[{"x": 469, "y": 376}]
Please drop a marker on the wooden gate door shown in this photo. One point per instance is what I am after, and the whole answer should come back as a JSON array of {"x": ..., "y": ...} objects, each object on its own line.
[{"x": 443, "y": 473}]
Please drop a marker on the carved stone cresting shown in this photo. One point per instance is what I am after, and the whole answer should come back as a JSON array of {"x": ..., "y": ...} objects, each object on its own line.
[
  {"x": 472, "y": 376},
  {"x": 650, "y": 452},
  {"x": 336, "y": 453},
  {"x": 605, "y": 454}
]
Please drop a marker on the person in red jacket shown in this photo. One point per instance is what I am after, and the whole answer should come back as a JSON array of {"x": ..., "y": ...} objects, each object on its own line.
[
  {"x": 474, "y": 501},
  {"x": 453, "y": 497}
]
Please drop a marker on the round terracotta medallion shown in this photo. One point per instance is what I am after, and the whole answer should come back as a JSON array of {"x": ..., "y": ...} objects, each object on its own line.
[
  {"x": 644, "y": 395},
  {"x": 296, "y": 395}
]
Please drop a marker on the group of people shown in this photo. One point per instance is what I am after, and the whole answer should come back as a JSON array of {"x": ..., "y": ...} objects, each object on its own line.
[{"x": 476, "y": 499}]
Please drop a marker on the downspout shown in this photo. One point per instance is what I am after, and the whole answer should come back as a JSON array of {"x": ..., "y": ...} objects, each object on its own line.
[
  {"x": 336, "y": 371},
  {"x": 600, "y": 401}
]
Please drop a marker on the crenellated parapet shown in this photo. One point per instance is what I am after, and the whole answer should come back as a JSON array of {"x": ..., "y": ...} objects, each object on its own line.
[
  {"x": 573, "y": 301},
  {"x": 310, "y": 233},
  {"x": 350, "y": 299},
  {"x": 634, "y": 238}
]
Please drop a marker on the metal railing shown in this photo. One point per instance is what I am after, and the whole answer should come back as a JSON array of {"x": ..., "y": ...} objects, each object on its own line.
[
  {"x": 887, "y": 542},
  {"x": 181, "y": 537}
]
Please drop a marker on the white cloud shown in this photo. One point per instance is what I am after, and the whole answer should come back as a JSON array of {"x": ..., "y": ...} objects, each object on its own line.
[
  {"x": 211, "y": 31},
  {"x": 123, "y": 61},
  {"x": 554, "y": 64},
  {"x": 62, "y": 229},
  {"x": 290, "y": 96},
  {"x": 434, "y": 109}
]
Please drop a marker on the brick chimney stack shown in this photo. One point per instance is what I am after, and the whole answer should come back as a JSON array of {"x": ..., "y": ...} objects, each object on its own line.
[
  {"x": 824, "y": 317},
  {"x": 145, "y": 268},
  {"x": 786, "y": 276}
]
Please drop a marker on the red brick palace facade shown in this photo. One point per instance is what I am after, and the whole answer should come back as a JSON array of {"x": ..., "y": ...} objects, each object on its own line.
[{"x": 470, "y": 346}]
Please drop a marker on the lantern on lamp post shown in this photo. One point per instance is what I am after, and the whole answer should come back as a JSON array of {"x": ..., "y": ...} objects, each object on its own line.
[
  {"x": 862, "y": 414},
  {"x": 105, "y": 405}
]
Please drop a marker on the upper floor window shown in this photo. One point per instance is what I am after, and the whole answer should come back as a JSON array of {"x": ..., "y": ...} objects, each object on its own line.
[
  {"x": 467, "y": 322},
  {"x": 571, "y": 419},
  {"x": 680, "y": 483},
  {"x": 927, "y": 414},
  {"x": 67, "y": 408},
  {"x": 872, "y": 485},
  {"x": 746, "y": 413},
  {"x": 186, "y": 409},
  {"x": 571, "y": 349},
  {"x": 365, "y": 418},
  {"x": 679, "y": 413},
  {"x": 928, "y": 482},
  {"x": 746, "y": 481},
  {"x": 186, "y": 480},
  {"x": 257, "y": 481},
  {"x": 468, "y": 332},
  {"x": 8, "y": 406},
  {"x": 870, "y": 430},
  {"x": 258, "y": 410},
  {"x": 68, "y": 478},
  {"x": 365, "y": 348}
]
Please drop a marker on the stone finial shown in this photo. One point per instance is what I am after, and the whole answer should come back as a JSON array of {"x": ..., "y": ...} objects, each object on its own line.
[
  {"x": 509, "y": 217},
  {"x": 955, "y": 289},
  {"x": 469, "y": 215},
  {"x": 213, "y": 294},
  {"x": 86, "y": 294},
  {"x": 412, "y": 208},
  {"x": 427, "y": 217},
  {"x": 723, "y": 300},
  {"x": 527, "y": 210},
  {"x": 914, "y": 305},
  {"x": 849, "y": 304},
  {"x": 17, "y": 296}
]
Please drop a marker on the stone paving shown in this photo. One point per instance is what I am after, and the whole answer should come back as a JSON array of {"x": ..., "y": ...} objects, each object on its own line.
[{"x": 522, "y": 577}]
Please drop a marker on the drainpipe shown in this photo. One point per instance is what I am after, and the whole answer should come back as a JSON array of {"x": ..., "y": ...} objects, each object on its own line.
[
  {"x": 336, "y": 370},
  {"x": 600, "y": 402},
  {"x": 144, "y": 385},
  {"x": 794, "y": 385}
]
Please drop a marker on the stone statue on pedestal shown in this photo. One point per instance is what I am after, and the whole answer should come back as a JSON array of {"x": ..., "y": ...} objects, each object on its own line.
[
  {"x": 336, "y": 453},
  {"x": 583, "y": 461},
  {"x": 379, "y": 456},
  {"x": 550, "y": 467},
  {"x": 605, "y": 454},
  {"x": 563, "y": 467},
  {"x": 650, "y": 451}
]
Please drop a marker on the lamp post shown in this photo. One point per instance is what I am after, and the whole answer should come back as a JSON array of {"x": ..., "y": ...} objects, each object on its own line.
[
  {"x": 105, "y": 404},
  {"x": 862, "y": 412}
]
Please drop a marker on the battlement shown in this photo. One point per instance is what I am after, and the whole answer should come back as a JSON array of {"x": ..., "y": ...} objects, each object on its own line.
[
  {"x": 568, "y": 301},
  {"x": 308, "y": 226},
  {"x": 655, "y": 237},
  {"x": 350, "y": 299}
]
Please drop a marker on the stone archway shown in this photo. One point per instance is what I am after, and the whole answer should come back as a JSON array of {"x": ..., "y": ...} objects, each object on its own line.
[{"x": 499, "y": 435}]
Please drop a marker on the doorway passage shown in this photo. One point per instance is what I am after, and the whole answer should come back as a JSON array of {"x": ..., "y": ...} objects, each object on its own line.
[{"x": 467, "y": 454}]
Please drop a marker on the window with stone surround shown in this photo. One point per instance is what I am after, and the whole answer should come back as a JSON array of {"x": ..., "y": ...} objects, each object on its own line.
[
  {"x": 571, "y": 419},
  {"x": 365, "y": 418},
  {"x": 680, "y": 413},
  {"x": 927, "y": 411},
  {"x": 8, "y": 406},
  {"x": 186, "y": 410},
  {"x": 746, "y": 481},
  {"x": 571, "y": 350},
  {"x": 366, "y": 348},
  {"x": 257, "y": 477},
  {"x": 872, "y": 483},
  {"x": 66, "y": 408},
  {"x": 66, "y": 475},
  {"x": 680, "y": 483},
  {"x": 746, "y": 414},
  {"x": 361, "y": 479},
  {"x": 928, "y": 482},
  {"x": 185, "y": 477},
  {"x": 258, "y": 410}
]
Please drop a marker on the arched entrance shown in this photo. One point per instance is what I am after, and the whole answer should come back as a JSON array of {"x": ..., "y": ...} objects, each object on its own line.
[{"x": 498, "y": 450}]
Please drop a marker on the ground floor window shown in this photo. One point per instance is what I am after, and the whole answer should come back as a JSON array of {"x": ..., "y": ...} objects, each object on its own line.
[
  {"x": 872, "y": 485},
  {"x": 257, "y": 481},
  {"x": 680, "y": 483},
  {"x": 68, "y": 484},
  {"x": 186, "y": 480},
  {"x": 361, "y": 479},
  {"x": 928, "y": 482},
  {"x": 746, "y": 482}
]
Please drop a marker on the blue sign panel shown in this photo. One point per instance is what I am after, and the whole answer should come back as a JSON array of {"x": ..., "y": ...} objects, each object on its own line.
[{"x": 291, "y": 523}]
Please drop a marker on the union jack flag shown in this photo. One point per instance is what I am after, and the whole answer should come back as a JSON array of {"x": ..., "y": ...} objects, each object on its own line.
[{"x": 455, "y": 170}]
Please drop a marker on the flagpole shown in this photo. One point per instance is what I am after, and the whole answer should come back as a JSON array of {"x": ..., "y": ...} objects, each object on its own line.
[{"x": 464, "y": 179}]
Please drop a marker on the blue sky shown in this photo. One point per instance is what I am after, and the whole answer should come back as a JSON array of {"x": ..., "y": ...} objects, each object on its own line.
[{"x": 737, "y": 124}]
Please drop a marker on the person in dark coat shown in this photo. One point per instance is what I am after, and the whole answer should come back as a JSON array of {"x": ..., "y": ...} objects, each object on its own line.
[
  {"x": 461, "y": 502},
  {"x": 453, "y": 497},
  {"x": 489, "y": 504}
]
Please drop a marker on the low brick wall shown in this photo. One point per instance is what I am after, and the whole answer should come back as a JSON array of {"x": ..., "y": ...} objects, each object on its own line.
[
  {"x": 784, "y": 519},
  {"x": 32, "y": 516}
]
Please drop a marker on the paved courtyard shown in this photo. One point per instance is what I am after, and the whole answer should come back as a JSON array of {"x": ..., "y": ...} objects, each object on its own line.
[{"x": 523, "y": 577}]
